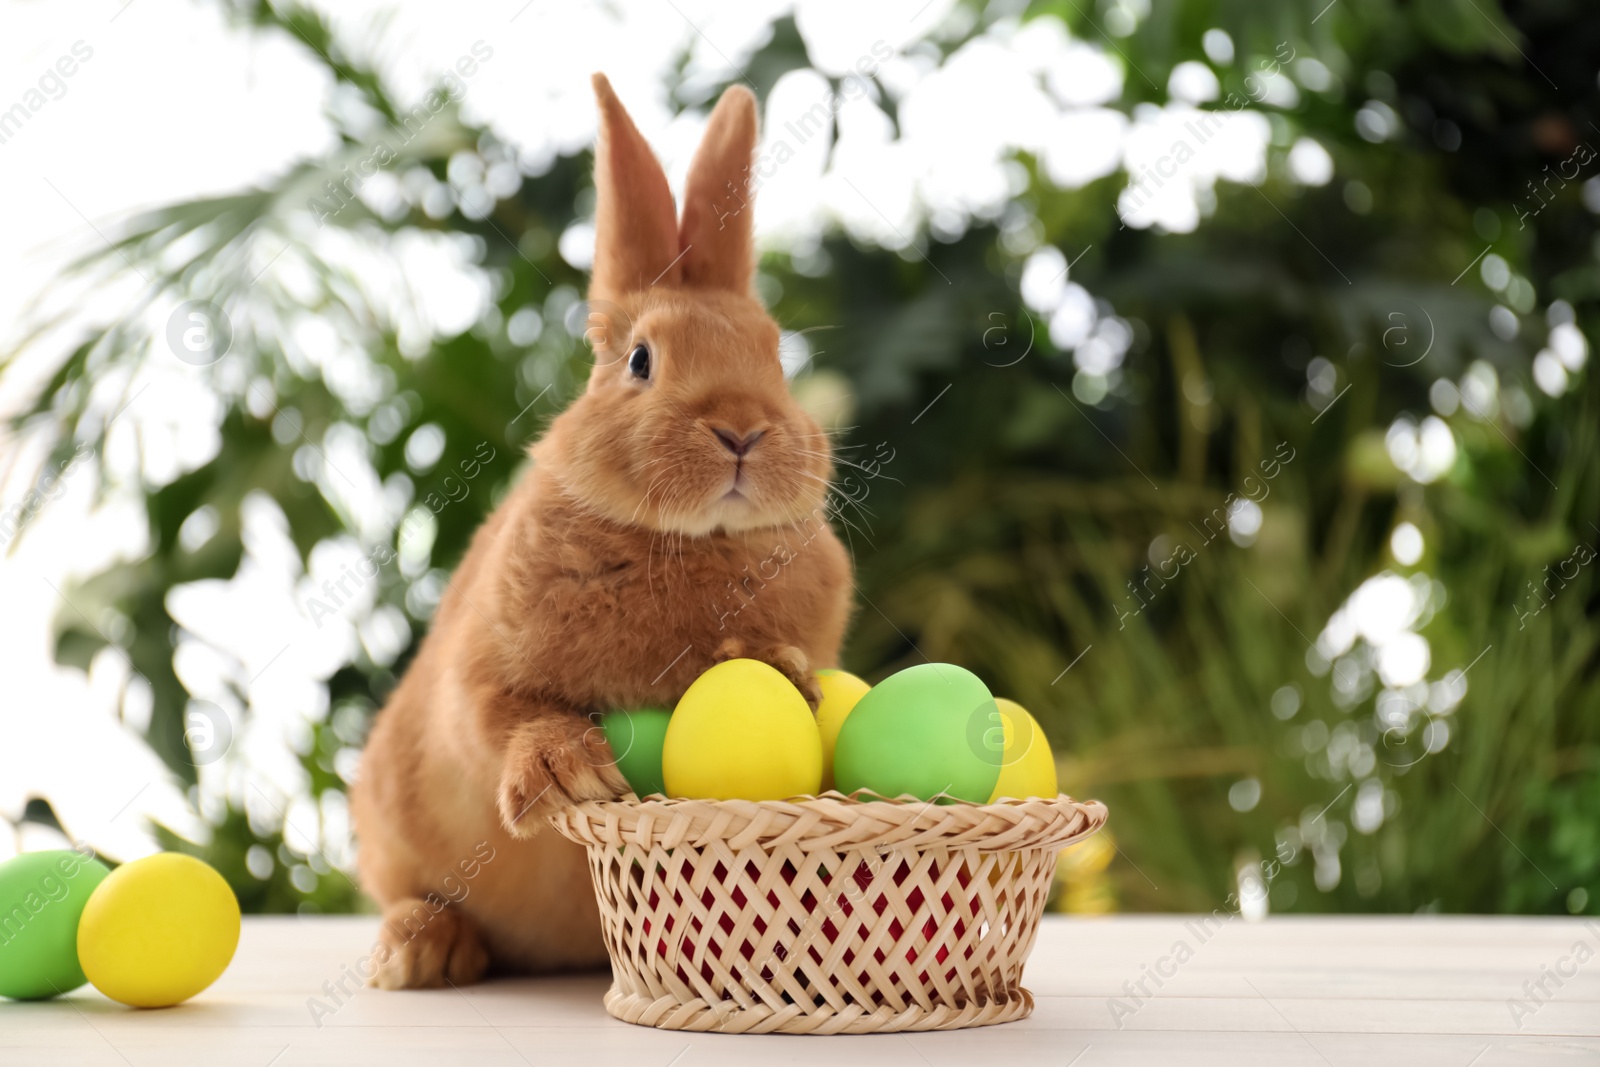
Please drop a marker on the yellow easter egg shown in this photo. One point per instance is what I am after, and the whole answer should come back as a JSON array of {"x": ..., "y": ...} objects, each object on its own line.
[
  {"x": 840, "y": 691},
  {"x": 1028, "y": 767},
  {"x": 742, "y": 731},
  {"x": 158, "y": 930}
]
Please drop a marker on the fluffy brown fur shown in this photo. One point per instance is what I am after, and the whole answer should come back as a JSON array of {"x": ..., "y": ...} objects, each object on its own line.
[{"x": 608, "y": 578}]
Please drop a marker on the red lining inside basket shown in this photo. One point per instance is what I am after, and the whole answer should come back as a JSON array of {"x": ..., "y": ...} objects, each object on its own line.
[{"x": 826, "y": 934}]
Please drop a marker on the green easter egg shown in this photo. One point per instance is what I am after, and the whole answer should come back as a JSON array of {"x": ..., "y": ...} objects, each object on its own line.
[
  {"x": 42, "y": 896},
  {"x": 930, "y": 729},
  {"x": 635, "y": 737}
]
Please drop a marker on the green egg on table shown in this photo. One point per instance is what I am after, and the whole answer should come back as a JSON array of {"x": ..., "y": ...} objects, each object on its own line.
[
  {"x": 636, "y": 736},
  {"x": 42, "y": 896},
  {"x": 930, "y": 729}
]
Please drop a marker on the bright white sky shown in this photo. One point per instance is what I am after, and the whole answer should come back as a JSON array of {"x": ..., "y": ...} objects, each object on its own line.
[{"x": 172, "y": 104}]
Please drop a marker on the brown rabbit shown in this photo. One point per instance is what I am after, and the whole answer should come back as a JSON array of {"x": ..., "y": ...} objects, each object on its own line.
[{"x": 608, "y": 578}]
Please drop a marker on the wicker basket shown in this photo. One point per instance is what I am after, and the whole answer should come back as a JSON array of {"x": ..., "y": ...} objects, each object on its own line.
[{"x": 824, "y": 915}]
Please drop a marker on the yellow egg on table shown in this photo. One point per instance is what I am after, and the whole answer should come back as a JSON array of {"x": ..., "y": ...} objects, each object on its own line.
[
  {"x": 742, "y": 731},
  {"x": 158, "y": 930},
  {"x": 840, "y": 691},
  {"x": 1028, "y": 767}
]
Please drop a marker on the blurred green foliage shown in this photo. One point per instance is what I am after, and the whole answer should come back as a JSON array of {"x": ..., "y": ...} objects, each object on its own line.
[{"x": 1007, "y": 529}]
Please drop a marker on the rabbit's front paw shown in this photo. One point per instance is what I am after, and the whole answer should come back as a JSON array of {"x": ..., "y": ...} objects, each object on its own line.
[
  {"x": 795, "y": 666},
  {"x": 787, "y": 659},
  {"x": 553, "y": 761}
]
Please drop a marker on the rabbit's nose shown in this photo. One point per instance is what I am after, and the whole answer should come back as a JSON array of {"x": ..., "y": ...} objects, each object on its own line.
[{"x": 738, "y": 445}]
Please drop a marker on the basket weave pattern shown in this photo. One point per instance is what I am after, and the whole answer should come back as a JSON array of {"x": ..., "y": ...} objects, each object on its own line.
[{"x": 825, "y": 915}]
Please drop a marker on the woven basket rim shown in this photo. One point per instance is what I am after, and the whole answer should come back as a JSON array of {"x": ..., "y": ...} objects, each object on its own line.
[{"x": 832, "y": 821}]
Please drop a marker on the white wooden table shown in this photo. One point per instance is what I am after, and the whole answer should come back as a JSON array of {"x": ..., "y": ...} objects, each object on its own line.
[{"x": 1422, "y": 992}]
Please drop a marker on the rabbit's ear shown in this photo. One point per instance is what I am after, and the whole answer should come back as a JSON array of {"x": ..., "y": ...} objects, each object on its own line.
[
  {"x": 635, "y": 233},
  {"x": 718, "y": 212}
]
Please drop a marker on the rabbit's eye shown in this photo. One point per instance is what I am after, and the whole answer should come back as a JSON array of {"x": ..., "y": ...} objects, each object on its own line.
[{"x": 639, "y": 362}]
